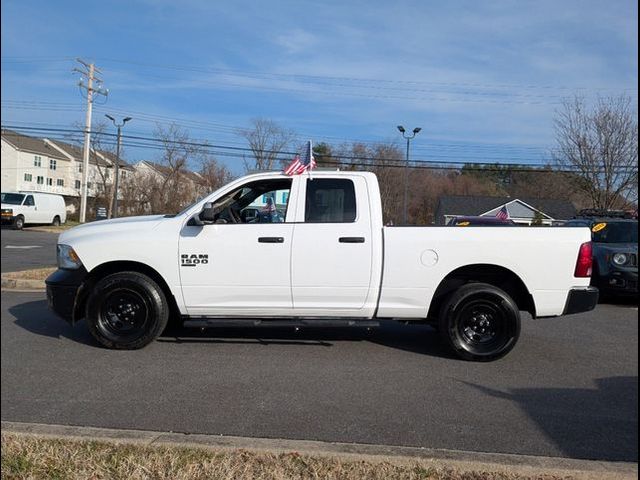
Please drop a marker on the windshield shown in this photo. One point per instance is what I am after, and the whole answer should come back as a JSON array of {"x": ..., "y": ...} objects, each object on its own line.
[
  {"x": 12, "y": 198},
  {"x": 615, "y": 232}
]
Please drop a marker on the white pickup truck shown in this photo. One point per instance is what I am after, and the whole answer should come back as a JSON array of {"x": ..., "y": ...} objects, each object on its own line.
[{"x": 312, "y": 250}]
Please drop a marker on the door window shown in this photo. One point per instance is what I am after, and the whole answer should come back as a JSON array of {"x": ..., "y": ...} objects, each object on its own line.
[
  {"x": 263, "y": 201},
  {"x": 29, "y": 201},
  {"x": 330, "y": 200}
]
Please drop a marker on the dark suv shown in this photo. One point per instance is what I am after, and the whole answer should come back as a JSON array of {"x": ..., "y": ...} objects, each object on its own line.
[{"x": 615, "y": 252}]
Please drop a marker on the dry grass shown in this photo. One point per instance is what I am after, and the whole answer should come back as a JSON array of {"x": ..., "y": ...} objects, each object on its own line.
[
  {"x": 31, "y": 457},
  {"x": 33, "y": 274},
  {"x": 51, "y": 229}
]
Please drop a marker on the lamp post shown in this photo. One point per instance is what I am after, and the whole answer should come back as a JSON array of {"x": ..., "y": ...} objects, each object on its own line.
[
  {"x": 119, "y": 126},
  {"x": 406, "y": 169}
]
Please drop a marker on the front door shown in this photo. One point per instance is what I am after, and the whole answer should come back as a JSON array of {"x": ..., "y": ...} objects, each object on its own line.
[
  {"x": 30, "y": 210},
  {"x": 240, "y": 265}
]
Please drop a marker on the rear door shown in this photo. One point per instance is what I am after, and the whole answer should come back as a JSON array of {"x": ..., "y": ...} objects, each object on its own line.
[{"x": 331, "y": 258}]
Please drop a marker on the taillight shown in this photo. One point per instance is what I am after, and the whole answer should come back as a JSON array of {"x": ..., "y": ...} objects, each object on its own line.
[{"x": 584, "y": 265}]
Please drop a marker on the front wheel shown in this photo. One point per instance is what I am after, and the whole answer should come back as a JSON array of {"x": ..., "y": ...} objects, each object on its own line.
[
  {"x": 18, "y": 222},
  {"x": 480, "y": 322},
  {"x": 126, "y": 311}
]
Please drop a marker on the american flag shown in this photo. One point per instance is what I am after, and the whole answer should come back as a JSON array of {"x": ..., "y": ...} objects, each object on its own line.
[
  {"x": 503, "y": 213},
  {"x": 302, "y": 164}
]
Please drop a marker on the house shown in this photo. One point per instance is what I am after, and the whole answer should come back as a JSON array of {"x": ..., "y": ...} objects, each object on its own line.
[
  {"x": 52, "y": 166},
  {"x": 523, "y": 211},
  {"x": 30, "y": 163},
  {"x": 187, "y": 186}
]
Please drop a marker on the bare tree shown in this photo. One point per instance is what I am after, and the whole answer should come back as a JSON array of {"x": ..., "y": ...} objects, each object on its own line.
[
  {"x": 601, "y": 144},
  {"x": 214, "y": 174},
  {"x": 174, "y": 187},
  {"x": 266, "y": 140}
]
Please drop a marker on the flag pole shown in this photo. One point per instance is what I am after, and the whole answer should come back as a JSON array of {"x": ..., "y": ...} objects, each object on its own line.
[{"x": 310, "y": 157}]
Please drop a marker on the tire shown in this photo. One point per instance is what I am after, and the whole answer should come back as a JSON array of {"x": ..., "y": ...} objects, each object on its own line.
[
  {"x": 126, "y": 311},
  {"x": 56, "y": 221},
  {"x": 18, "y": 222},
  {"x": 480, "y": 322}
]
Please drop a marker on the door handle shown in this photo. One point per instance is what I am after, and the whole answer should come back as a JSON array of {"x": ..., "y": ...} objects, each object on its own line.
[
  {"x": 270, "y": 239},
  {"x": 351, "y": 239}
]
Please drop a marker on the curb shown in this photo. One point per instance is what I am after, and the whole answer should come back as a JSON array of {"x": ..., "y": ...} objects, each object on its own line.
[
  {"x": 462, "y": 460},
  {"x": 22, "y": 284}
]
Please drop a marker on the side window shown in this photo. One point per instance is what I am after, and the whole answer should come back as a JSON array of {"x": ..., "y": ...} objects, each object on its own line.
[
  {"x": 330, "y": 201},
  {"x": 29, "y": 201},
  {"x": 264, "y": 201}
]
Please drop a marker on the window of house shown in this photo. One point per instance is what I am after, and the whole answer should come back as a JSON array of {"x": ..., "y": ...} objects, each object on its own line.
[
  {"x": 330, "y": 200},
  {"x": 28, "y": 177},
  {"x": 53, "y": 164},
  {"x": 60, "y": 182},
  {"x": 40, "y": 180},
  {"x": 78, "y": 184},
  {"x": 79, "y": 167},
  {"x": 37, "y": 161},
  {"x": 89, "y": 185},
  {"x": 50, "y": 181}
]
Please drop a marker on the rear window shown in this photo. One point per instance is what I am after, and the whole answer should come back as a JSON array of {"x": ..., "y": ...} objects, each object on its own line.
[
  {"x": 615, "y": 232},
  {"x": 330, "y": 201}
]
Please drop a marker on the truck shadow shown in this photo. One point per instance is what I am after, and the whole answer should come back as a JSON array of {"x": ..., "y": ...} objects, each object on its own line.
[
  {"x": 609, "y": 431},
  {"x": 36, "y": 318},
  {"x": 620, "y": 300},
  {"x": 419, "y": 339}
]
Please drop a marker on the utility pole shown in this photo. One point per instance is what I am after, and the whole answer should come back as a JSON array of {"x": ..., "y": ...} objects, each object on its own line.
[
  {"x": 119, "y": 126},
  {"x": 90, "y": 71}
]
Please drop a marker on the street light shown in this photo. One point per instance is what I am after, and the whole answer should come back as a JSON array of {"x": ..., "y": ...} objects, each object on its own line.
[
  {"x": 406, "y": 169},
  {"x": 117, "y": 169}
]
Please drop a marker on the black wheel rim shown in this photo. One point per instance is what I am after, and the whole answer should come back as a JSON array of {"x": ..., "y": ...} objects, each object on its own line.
[
  {"x": 482, "y": 325},
  {"x": 124, "y": 314}
]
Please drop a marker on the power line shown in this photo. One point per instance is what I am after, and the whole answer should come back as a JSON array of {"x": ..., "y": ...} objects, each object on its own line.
[{"x": 226, "y": 151}]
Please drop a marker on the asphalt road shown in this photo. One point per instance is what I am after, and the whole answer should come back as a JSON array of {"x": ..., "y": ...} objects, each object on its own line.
[
  {"x": 24, "y": 249},
  {"x": 570, "y": 387}
]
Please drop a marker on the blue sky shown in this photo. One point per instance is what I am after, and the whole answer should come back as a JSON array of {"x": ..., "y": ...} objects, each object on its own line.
[{"x": 482, "y": 79}]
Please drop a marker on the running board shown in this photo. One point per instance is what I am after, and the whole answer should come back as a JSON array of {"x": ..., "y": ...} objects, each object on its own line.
[{"x": 294, "y": 322}]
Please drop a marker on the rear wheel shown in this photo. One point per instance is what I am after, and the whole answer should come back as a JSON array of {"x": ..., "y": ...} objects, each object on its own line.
[
  {"x": 126, "y": 311},
  {"x": 480, "y": 322},
  {"x": 18, "y": 222},
  {"x": 56, "y": 221}
]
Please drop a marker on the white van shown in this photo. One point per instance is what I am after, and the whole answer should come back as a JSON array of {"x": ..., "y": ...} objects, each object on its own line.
[{"x": 21, "y": 208}]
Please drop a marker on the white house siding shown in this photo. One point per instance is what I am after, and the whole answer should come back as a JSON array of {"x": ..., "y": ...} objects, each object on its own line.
[{"x": 9, "y": 167}]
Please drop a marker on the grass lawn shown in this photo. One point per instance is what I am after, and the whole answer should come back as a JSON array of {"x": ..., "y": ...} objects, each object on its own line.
[{"x": 26, "y": 456}]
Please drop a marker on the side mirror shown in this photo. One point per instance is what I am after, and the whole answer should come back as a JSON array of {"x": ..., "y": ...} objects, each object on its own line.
[{"x": 208, "y": 213}]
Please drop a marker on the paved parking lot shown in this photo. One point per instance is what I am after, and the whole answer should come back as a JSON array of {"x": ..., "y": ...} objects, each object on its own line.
[
  {"x": 570, "y": 388},
  {"x": 26, "y": 249}
]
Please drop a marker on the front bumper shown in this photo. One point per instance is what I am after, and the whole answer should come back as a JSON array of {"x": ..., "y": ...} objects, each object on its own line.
[
  {"x": 7, "y": 219},
  {"x": 581, "y": 300},
  {"x": 619, "y": 281},
  {"x": 63, "y": 288}
]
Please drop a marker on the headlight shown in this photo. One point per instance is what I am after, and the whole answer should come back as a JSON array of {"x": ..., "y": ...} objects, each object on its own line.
[
  {"x": 620, "y": 258},
  {"x": 68, "y": 258}
]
